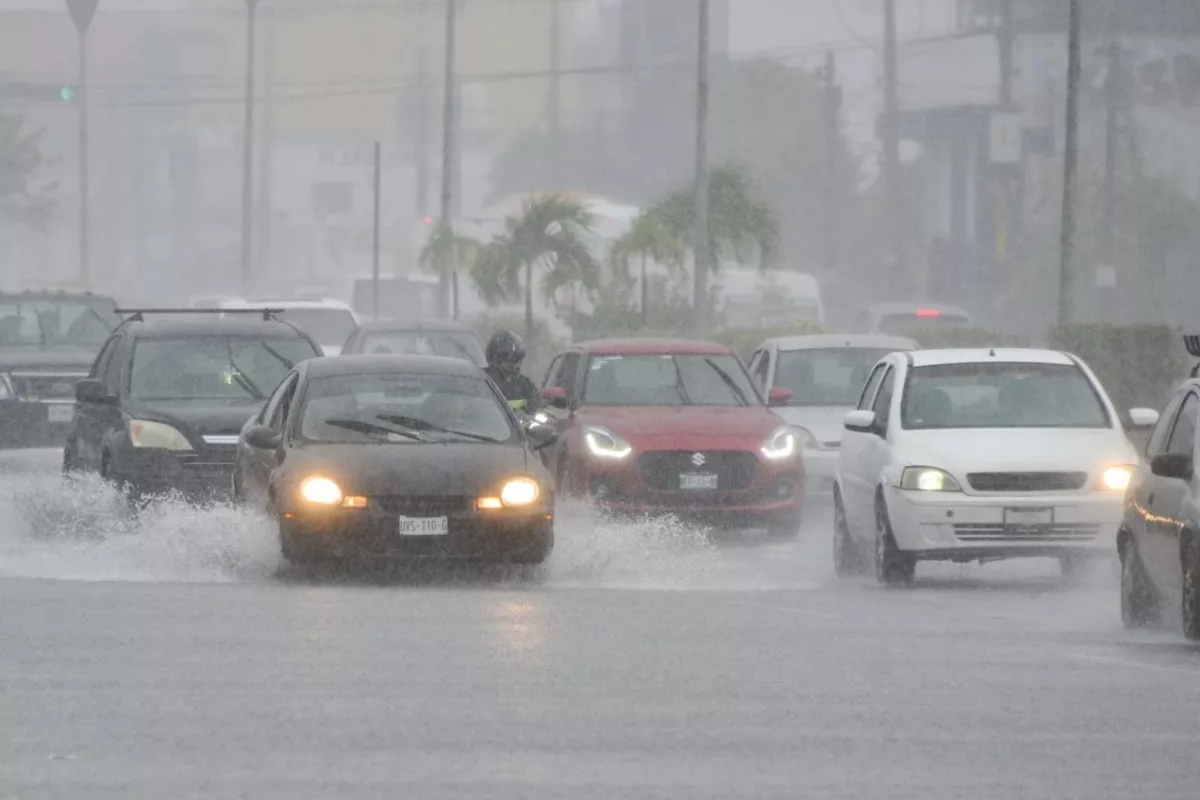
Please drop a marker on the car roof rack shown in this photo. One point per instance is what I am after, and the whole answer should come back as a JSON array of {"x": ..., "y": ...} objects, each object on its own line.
[{"x": 139, "y": 314}]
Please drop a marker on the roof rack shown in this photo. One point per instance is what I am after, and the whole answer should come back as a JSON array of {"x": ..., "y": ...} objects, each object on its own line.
[{"x": 139, "y": 314}]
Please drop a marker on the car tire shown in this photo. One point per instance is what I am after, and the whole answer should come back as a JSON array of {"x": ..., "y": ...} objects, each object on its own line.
[
  {"x": 893, "y": 567},
  {"x": 1140, "y": 605},
  {"x": 1189, "y": 556},
  {"x": 848, "y": 558}
]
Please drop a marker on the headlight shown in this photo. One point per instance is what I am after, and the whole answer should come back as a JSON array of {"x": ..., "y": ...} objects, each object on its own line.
[
  {"x": 804, "y": 439},
  {"x": 780, "y": 444},
  {"x": 520, "y": 492},
  {"x": 1116, "y": 479},
  {"x": 603, "y": 443},
  {"x": 928, "y": 479},
  {"x": 321, "y": 491},
  {"x": 157, "y": 436},
  {"x": 6, "y": 392}
]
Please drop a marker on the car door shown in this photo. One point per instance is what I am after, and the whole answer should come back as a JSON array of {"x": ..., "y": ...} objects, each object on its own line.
[
  {"x": 877, "y": 449},
  {"x": 259, "y": 464},
  {"x": 853, "y": 462},
  {"x": 1167, "y": 501},
  {"x": 1144, "y": 488},
  {"x": 106, "y": 421}
]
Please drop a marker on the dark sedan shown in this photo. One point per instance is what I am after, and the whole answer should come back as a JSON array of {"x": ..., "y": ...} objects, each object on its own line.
[
  {"x": 428, "y": 337},
  {"x": 396, "y": 457}
]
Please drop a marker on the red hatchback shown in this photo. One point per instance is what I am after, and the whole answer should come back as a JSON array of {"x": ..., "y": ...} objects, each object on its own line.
[{"x": 673, "y": 426}]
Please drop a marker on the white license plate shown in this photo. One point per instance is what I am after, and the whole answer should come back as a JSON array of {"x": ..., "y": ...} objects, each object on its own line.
[
  {"x": 1028, "y": 517},
  {"x": 61, "y": 412},
  {"x": 424, "y": 526},
  {"x": 693, "y": 482}
]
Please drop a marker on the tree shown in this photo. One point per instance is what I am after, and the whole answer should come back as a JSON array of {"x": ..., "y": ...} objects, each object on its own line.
[
  {"x": 550, "y": 236},
  {"x": 26, "y": 195},
  {"x": 446, "y": 254},
  {"x": 649, "y": 239}
]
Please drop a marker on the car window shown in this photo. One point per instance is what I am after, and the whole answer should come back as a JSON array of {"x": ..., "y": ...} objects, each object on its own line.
[
  {"x": 1183, "y": 435},
  {"x": 569, "y": 375},
  {"x": 826, "y": 377},
  {"x": 867, "y": 398},
  {"x": 448, "y": 344},
  {"x": 883, "y": 401},
  {"x": 235, "y": 369},
  {"x": 668, "y": 380},
  {"x": 991, "y": 394},
  {"x": 403, "y": 409},
  {"x": 56, "y": 322},
  {"x": 553, "y": 372},
  {"x": 111, "y": 376},
  {"x": 761, "y": 368},
  {"x": 1157, "y": 444},
  {"x": 270, "y": 415},
  {"x": 100, "y": 365}
]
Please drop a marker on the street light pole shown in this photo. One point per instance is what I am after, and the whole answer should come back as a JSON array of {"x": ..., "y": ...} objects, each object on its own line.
[
  {"x": 447, "y": 209},
  {"x": 82, "y": 13},
  {"x": 700, "y": 241},
  {"x": 1070, "y": 165},
  {"x": 248, "y": 152}
]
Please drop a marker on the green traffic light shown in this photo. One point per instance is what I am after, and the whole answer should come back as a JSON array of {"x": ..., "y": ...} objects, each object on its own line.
[{"x": 67, "y": 93}]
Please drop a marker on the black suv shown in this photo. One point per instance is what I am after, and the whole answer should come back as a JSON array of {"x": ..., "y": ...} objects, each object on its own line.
[
  {"x": 167, "y": 397},
  {"x": 47, "y": 342}
]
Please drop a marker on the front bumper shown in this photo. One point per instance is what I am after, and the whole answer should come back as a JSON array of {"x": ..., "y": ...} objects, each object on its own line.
[
  {"x": 197, "y": 476},
  {"x": 34, "y": 423},
  {"x": 374, "y": 534},
  {"x": 958, "y": 526}
]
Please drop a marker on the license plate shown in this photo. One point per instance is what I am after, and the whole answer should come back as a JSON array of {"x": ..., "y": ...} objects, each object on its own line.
[
  {"x": 62, "y": 412},
  {"x": 695, "y": 482},
  {"x": 424, "y": 526},
  {"x": 1028, "y": 517}
]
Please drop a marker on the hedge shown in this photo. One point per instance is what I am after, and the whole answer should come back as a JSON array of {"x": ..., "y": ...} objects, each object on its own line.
[{"x": 1139, "y": 365}]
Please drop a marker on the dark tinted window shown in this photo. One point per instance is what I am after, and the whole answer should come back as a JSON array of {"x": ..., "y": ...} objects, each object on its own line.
[{"x": 222, "y": 368}]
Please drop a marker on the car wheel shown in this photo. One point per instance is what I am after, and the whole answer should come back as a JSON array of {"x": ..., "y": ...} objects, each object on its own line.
[
  {"x": 847, "y": 557},
  {"x": 1190, "y": 557},
  {"x": 893, "y": 567},
  {"x": 1140, "y": 606}
]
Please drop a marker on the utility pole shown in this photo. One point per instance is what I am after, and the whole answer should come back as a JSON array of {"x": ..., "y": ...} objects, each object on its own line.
[
  {"x": 266, "y": 159},
  {"x": 248, "y": 153},
  {"x": 1112, "y": 134},
  {"x": 900, "y": 279},
  {"x": 1070, "y": 163},
  {"x": 375, "y": 231},
  {"x": 554, "y": 99},
  {"x": 833, "y": 105},
  {"x": 421, "y": 140},
  {"x": 448, "y": 119},
  {"x": 700, "y": 241},
  {"x": 82, "y": 14},
  {"x": 1006, "y": 174}
]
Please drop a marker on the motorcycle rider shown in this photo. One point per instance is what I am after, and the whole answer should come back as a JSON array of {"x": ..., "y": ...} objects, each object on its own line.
[{"x": 505, "y": 354}]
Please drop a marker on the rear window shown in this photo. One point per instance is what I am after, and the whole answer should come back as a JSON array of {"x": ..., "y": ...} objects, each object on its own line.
[{"x": 916, "y": 322}]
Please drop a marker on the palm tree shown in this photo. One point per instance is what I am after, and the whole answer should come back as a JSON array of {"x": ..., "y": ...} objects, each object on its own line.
[
  {"x": 650, "y": 239},
  {"x": 552, "y": 235},
  {"x": 445, "y": 255}
]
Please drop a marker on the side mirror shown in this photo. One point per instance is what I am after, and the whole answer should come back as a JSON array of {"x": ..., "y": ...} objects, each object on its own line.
[
  {"x": 779, "y": 396},
  {"x": 556, "y": 397},
  {"x": 1172, "y": 465},
  {"x": 260, "y": 437},
  {"x": 541, "y": 436},
  {"x": 1143, "y": 417},
  {"x": 90, "y": 390},
  {"x": 860, "y": 421}
]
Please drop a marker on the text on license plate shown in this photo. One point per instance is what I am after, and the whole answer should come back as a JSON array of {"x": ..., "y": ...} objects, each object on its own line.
[
  {"x": 61, "y": 412},
  {"x": 1028, "y": 517},
  {"x": 424, "y": 526},
  {"x": 694, "y": 482}
]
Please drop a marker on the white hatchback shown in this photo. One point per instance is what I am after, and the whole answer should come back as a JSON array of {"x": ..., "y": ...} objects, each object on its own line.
[{"x": 980, "y": 455}]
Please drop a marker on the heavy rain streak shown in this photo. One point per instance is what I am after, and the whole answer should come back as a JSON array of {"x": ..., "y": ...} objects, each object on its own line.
[{"x": 599, "y": 399}]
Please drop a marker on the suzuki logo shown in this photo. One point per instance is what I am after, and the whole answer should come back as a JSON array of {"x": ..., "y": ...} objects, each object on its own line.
[{"x": 698, "y": 460}]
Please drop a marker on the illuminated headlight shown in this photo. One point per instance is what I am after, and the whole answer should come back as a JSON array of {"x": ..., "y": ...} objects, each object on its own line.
[
  {"x": 780, "y": 444},
  {"x": 804, "y": 439},
  {"x": 6, "y": 392},
  {"x": 520, "y": 492},
  {"x": 603, "y": 443},
  {"x": 928, "y": 479},
  {"x": 321, "y": 491},
  {"x": 156, "y": 436},
  {"x": 1116, "y": 479}
]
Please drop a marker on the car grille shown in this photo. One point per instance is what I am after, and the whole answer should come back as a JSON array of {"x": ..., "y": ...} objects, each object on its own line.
[
  {"x": 1027, "y": 481},
  {"x": 43, "y": 386},
  {"x": 660, "y": 470},
  {"x": 1059, "y": 532},
  {"x": 421, "y": 506}
]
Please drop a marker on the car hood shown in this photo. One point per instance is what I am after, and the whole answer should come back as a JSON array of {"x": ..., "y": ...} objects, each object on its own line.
[
  {"x": 825, "y": 423},
  {"x": 705, "y": 427},
  {"x": 66, "y": 359},
  {"x": 413, "y": 469},
  {"x": 197, "y": 418},
  {"x": 1017, "y": 450}
]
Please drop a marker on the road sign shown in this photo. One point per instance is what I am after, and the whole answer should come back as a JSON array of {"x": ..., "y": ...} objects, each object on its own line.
[{"x": 82, "y": 12}]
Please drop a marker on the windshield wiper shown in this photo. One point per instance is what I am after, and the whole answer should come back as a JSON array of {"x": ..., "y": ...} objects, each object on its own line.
[
  {"x": 730, "y": 382},
  {"x": 241, "y": 378},
  {"x": 282, "y": 359},
  {"x": 422, "y": 425},
  {"x": 368, "y": 428}
]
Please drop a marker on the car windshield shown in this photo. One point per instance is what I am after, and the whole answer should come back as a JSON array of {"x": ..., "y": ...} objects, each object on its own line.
[
  {"x": 826, "y": 377},
  {"x": 451, "y": 344},
  {"x": 668, "y": 380},
  {"x": 402, "y": 408},
  {"x": 1001, "y": 395},
  {"x": 55, "y": 322},
  {"x": 327, "y": 326},
  {"x": 220, "y": 368},
  {"x": 907, "y": 324}
]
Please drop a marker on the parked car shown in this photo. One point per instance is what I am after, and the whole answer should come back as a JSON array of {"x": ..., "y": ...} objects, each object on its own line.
[{"x": 667, "y": 426}]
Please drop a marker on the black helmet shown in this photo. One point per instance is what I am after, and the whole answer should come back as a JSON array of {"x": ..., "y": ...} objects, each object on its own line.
[{"x": 505, "y": 346}]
